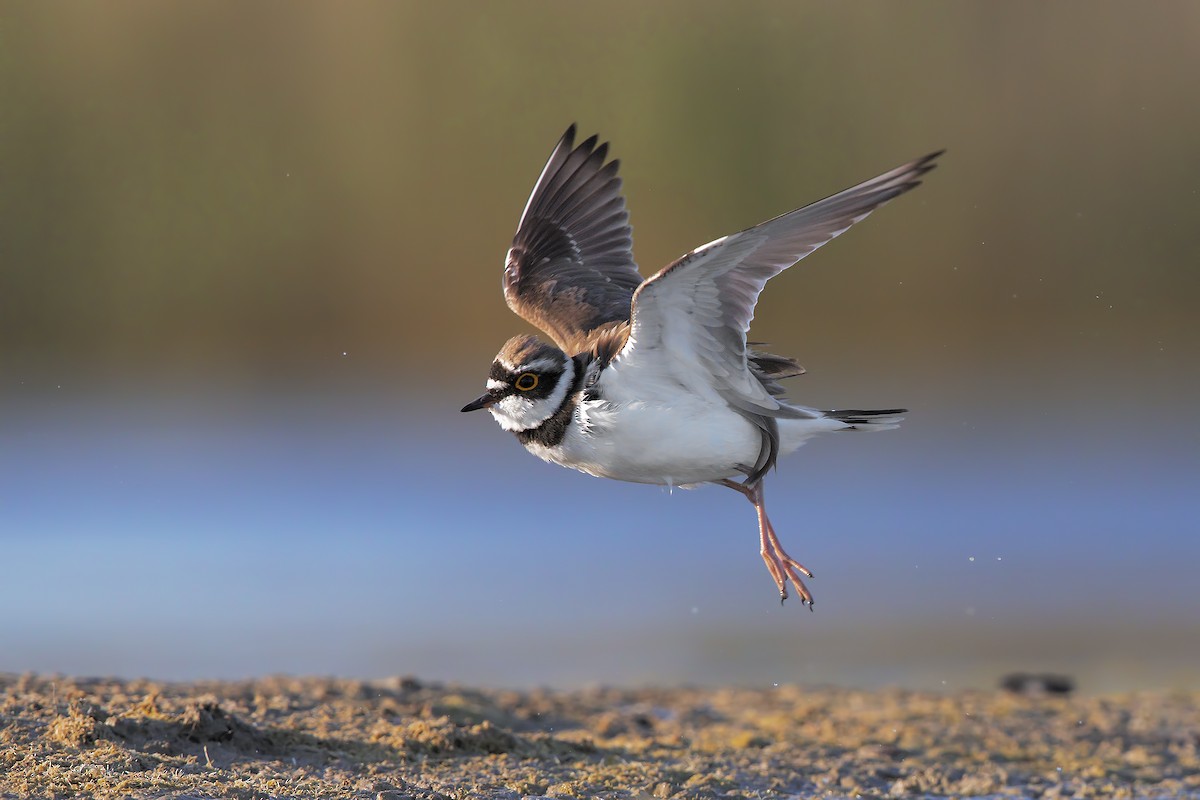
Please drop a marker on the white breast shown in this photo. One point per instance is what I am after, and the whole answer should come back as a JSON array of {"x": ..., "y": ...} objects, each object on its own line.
[
  {"x": 666, "y": 434},
  {"x": 647, "y": 431}
]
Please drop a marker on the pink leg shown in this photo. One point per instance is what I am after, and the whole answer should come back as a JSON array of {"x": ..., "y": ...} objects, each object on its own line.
[{"x": 781, "y": 566}]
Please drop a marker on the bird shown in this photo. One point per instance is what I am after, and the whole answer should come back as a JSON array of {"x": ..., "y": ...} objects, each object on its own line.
[{"x": 653, "y": 380}]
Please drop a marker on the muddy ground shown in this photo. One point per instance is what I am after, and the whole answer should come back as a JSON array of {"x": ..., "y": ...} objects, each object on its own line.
[{"x": 406, "y": 738}]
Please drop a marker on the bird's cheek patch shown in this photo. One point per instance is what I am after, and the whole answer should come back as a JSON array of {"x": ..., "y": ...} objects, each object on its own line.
[{"x": 516, "y": 413}]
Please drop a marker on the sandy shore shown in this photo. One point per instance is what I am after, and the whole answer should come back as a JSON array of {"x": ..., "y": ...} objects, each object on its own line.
[{"x": 404, "y": 738}]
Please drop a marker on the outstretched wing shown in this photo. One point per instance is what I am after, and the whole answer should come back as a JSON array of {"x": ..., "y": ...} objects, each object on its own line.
[
  {"x": 570, "y": 269},
  {"x": 692, "y": 317}
]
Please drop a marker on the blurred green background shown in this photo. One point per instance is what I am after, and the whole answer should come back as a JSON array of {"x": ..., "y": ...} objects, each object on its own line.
[
  {"x": 220, "y": 217},
  {"x": 259, "y": 187}
]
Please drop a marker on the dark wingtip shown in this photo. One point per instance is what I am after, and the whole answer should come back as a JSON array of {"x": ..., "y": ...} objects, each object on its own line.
[
  {"x": 925, "y": 164},
  {"x": 567, "y": 140}
]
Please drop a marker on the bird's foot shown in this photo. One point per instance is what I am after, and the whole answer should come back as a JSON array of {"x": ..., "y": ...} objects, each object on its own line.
[{"x": 784, "y": 568}]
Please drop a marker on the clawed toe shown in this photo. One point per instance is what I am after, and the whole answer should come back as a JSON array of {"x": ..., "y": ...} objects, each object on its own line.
[{"x": 783, "y": 568}]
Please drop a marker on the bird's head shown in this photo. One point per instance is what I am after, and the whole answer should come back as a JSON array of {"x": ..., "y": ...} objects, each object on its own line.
[{"x": 527, "y": 384}]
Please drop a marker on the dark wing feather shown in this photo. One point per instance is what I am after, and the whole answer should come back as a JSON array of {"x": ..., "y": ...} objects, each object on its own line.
[
  {"x": 770, "y": 369},
  {"x": 570, "y": 269}
]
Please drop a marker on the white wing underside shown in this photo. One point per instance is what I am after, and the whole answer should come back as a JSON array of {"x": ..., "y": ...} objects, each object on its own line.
[{"x": 690, "y": 320}]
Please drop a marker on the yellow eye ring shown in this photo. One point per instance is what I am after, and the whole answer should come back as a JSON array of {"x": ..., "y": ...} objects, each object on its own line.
[{"x": 527, "y": 382}]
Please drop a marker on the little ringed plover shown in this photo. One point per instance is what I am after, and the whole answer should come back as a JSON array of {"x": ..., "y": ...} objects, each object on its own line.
[{"x": 652, "y": 380}]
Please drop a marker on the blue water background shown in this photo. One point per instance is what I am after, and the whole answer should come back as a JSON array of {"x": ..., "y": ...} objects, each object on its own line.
[{"x": 222, "y": 532}]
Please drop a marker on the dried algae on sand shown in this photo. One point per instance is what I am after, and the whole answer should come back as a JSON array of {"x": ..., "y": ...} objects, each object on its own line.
[{"x": 326, "y": 738}]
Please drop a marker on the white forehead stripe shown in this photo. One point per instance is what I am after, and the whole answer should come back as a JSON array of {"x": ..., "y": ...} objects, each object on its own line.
[
  {"x": 541, "y": 365},
  {"x": 537, "y": 365},
  {"x": 495, "y": 384}
]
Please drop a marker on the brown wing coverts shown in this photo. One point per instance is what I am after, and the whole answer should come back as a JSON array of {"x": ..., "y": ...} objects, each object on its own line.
[{"x": 570, "y": 269}]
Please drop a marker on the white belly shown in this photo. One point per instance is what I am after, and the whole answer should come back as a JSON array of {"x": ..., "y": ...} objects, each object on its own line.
[
  {"x": 649, "y": 443},
  {"x": 689, "y": 442}
]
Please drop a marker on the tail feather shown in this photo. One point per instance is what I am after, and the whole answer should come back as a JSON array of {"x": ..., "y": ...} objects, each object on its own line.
[{"x": 877, "y": 420}]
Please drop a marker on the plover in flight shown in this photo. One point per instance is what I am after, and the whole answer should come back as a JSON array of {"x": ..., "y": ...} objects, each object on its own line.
[{"x": 652, "y": 380}]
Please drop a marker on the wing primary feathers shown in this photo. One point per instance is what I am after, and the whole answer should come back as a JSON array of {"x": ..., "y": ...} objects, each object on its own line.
[{"x": 570, "y": 269}]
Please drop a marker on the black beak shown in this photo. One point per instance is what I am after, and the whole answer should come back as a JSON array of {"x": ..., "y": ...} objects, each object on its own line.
[{"x": 483, "y": 401}]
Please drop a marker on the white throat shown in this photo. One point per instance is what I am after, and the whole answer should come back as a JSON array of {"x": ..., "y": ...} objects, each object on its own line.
[{"x": 518, "y": 413}]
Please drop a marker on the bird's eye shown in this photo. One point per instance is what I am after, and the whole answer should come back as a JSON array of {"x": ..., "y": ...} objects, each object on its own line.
[{"x": 527, "y": 381}]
